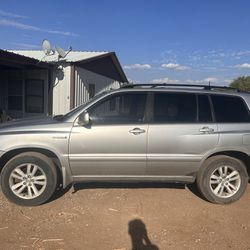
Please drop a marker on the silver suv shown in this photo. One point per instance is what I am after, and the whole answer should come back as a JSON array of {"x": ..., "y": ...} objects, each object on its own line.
[{"x": 136, "y": 133}]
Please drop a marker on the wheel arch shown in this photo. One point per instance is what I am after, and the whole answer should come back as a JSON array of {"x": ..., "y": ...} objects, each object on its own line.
[
  {"x": 50, "y": 154},
  {"x": 244, "y": 157}
]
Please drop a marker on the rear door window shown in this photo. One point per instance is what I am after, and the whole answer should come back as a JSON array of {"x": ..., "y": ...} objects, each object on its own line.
[
  {"x": 204, "y": 109},
  {"x": 174, "y": 108}
]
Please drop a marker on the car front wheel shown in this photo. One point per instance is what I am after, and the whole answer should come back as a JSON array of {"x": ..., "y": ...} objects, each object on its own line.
[
  {"x": 29, "y": 179},
  {"x": 222, "y": 179}
]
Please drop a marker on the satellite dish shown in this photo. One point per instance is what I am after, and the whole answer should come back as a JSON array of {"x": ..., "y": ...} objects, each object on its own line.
[
  {"x": 61, "y": 52},
  {"x": 46, "y": 47}
]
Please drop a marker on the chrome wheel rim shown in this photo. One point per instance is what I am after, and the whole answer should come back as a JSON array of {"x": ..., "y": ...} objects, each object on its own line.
[
  {"x": 28, "y": 181},
  {"x": 225, "y": 181}
]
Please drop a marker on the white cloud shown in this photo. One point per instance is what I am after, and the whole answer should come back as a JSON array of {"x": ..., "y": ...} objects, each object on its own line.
[
  {"x": 242, "y": 53},
  {"x": 138, "y": 66},
  {"x": 189, "y": 81},
  {"x": 210, "y": 79},
  {"x": 205, "y": 81},
  {"x": 18, "y": 25},
  {"x": 227, "y": 81},
  {"x": 174, "y": 66},
  {"x": 202, "y": 81},
  {"x": 133, "y": 81},
  {"x": 12, "y": 15},
  {"x": 165, "y": 80},
  {"x": 243, "y": 66}
]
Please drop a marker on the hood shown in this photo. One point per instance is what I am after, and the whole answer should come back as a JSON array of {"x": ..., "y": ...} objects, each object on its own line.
[{"x": 30, "y": 124}]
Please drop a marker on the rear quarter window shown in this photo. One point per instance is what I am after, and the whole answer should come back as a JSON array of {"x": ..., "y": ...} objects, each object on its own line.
[{"x": 230, "y": 109}]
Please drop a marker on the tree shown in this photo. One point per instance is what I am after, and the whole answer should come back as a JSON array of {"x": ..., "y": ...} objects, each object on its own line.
[{"x": 242, "y": 83}]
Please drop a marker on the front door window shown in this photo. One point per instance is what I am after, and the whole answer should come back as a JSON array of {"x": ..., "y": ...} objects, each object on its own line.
[{"x": 123, "y": 108}]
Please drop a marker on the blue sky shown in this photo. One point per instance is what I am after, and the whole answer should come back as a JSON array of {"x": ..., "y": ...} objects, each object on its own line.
[{"x": 175, "y": 41}]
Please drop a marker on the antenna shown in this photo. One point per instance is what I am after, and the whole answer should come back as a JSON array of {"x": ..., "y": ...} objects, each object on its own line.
[
  {"x": 46, "y": 47},
  {"x": 61, "y": 52}
]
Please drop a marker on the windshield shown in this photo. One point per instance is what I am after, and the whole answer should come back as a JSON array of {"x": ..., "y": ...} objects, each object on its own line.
[{"x": 77, "y": 109}]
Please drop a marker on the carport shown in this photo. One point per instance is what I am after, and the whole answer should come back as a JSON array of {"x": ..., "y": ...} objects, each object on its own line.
[{"x": 24, "y": 85}]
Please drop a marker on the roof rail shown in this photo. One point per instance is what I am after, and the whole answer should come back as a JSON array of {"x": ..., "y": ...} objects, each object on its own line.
[{"x": 154, "y": 85}]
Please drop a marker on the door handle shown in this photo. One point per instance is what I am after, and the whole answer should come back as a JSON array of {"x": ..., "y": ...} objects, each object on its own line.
[
  {"x": 137, "y": 131},
  {"x": 207, "y": 130}
]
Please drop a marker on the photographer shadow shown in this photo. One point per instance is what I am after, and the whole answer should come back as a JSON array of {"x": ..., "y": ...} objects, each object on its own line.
[{"x": 139, "y": 236}]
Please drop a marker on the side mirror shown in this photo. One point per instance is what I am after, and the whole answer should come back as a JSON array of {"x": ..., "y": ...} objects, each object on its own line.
[{"x": 84, "y": 119}]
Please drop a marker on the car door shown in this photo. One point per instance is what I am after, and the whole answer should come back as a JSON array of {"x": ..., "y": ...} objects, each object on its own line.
[
  {"x": 180, "y": 133},
  {"x": 114, "y": 144}
]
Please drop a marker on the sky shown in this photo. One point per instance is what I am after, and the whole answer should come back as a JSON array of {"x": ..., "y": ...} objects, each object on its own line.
[{"x": 178, "y": 41}]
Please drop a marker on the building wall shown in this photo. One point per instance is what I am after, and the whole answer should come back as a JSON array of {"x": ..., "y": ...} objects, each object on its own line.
[
  {"x": 61, "y": 89},
  {"x": 83, "y": 78},
  {"x": 22, "y": 76}
]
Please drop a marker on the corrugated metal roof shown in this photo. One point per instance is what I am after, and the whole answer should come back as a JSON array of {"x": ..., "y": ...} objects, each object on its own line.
[
  {"x": 73, "y": 56},
  {"x": 77, "y": 57},
  {"x": 11, "y": 57}
]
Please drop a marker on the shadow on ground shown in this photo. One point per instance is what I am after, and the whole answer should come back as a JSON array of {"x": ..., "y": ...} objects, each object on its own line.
[
  {"x": 123, "y": 185},
  {"x": 59, "y": 193},
  {"x": 191, "y": 187},
  {"x": 109, "y": 185},
  {"x": 194, "y": 189},
  {"x": 139, "y": 236}
]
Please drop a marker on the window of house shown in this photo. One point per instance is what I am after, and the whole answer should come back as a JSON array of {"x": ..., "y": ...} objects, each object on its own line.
[
  {"x": 91, "y": 90},
  {"x": 205, "y": 114},
  {"x": 15, "y": 95},
  {"x": 34, "y": 96},
  {"x": 119, "y": 109},
  {"x": 174, "y": 108},
  {"x": 230, "y": 109}
]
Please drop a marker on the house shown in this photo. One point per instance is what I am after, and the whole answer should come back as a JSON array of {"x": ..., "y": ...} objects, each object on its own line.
[{"x": 33, "y": 84}]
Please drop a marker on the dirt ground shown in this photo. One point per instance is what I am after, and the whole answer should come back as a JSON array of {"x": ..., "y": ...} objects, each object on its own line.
[{"x": 125, "y": 216}]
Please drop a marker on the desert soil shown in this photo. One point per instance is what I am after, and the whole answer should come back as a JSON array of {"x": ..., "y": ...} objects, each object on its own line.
[{"x": 122, "y": 217}]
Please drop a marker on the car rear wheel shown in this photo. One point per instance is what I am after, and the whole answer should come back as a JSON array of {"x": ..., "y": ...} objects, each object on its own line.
[
  {"x": 222, "y": 179},
  {"x": 29, "y": 179}
]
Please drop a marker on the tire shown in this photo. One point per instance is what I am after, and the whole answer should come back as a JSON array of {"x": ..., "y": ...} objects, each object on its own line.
[
  {"x": 29, "y": 179},
  {"x": 222, "y": 179}
]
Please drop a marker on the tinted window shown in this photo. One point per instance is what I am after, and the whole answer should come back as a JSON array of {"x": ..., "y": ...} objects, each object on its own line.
[
  {"x": 119, "y": 109},
  {"x": 230, "y": 109},
  {"x": 174, "y": 107},
  {"x": 205, "y": 114}
]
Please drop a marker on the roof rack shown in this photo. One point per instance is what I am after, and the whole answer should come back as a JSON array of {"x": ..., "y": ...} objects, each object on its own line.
[{"x": 154, "y": 85}]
